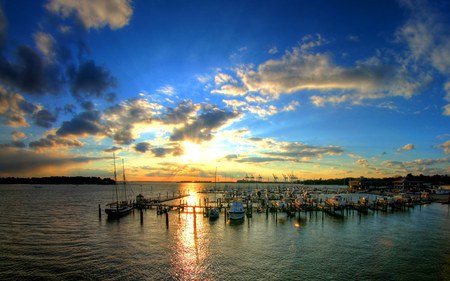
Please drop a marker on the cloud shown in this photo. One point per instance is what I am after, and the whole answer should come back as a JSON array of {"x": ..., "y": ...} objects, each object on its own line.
[
  {"x": 424, "y": 166},
  {"x": 94, "y": 14},
  {"x": 267, "y": 150},
  {"x": 407, "y": 147},
  {"x": 122, "y": 118},
  {"x": 30, "y": 73},
  {"x": 86, "y": 123},
  {"x": 273, "y": 50},
  {"x": 91, "y": 80},
  {"x": 142, "y": 147},
  {"x": 20, "y": 162},
  {"x": 167, "y": 90},
  {"x": 291, "y": 106},
  {"x": 173, "y": 149},
  {"x": 180, "y": 114},
  {"x": 53, "y": 141},
  {"x": 427, "y": 36},
  {"x": 445, "y": 146},
  {"x": 14, "y": 108},
  {"x": 3, "y": 25},
  {"x": 362, "y": 162},
  {"x": 201, "y": 128},
  {"x": 296, "y": 151},
  {"x": 45, "y": 44},
  {"x": 44, "y": 118},
  {"x": 230, "y": 90},
  {"x": 112, "y": 149},
  {"x": 222, "y": 78}
]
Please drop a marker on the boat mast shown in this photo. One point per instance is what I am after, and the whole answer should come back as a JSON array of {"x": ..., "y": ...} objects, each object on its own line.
[
  {"x": 115, "y": 182},
  {"x": 124, "y": 181}
]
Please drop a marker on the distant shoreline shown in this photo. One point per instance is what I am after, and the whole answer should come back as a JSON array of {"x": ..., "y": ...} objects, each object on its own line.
[{"x": 78, "y": 180}]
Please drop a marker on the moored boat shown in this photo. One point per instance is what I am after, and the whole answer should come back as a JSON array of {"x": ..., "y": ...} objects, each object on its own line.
[
  {"x": 117, "y": 209},
  {"x": 237, "y": 210},
  {"x": 214, "y": 214}
]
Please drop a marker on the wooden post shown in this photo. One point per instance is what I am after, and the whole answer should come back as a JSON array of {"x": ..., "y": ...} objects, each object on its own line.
[
  {"x": 99, "y": 212},
  {"x": 142, "y": 216},
  {"x": 276, "y": 216},
  {"x": 195, "y": 217},
  {"x": 167, "y": 219}
]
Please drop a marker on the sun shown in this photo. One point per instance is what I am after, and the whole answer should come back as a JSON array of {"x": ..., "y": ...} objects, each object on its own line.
[{"x": 192, "y": 152}]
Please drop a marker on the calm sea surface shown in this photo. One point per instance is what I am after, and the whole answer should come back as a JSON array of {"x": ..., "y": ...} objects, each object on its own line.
[{"x": 54, "y": 233}]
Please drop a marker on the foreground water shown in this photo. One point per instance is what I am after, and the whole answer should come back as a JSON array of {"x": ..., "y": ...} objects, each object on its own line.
[{"x": 54, "y": 233}]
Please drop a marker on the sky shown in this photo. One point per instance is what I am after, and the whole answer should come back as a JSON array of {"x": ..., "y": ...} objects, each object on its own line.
[{"x": 178, "y": 90}]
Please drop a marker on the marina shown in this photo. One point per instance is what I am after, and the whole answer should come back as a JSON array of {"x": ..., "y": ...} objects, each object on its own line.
[{"x": 44, "y": 239}]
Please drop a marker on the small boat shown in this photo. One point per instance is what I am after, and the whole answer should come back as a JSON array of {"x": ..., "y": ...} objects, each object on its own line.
[
  {"x": 214, "y": 214},
  {"x": 237, "y": 210},
  {"x": 336, "y": 201},
  {"x": 118, "y": 209}
]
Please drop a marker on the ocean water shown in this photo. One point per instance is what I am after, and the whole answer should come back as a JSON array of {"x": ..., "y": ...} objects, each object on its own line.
[{"x": 55, "y": 233}]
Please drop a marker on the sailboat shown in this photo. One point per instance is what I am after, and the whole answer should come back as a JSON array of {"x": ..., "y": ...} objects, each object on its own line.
[
  {"x": 214, "y": 212},
  {"x": 117, "y": 209}
]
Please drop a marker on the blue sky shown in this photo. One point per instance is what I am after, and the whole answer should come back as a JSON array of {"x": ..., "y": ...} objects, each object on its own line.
[{"x": 318, "y": 89}]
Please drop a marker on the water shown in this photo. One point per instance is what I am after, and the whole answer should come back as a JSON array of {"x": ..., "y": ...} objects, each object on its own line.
[{"x": 54, "y": 233}]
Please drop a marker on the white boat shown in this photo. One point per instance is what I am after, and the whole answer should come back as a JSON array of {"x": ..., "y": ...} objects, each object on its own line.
[
  {"x": 117, "y": 209},
  {"x": 237, "y": 211},
  {"x": 336, "y": 201}
]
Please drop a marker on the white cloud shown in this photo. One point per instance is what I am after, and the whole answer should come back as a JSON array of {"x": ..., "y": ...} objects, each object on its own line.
[
  {"x": 167, "y": 90},
  {"x": 407, "y": 147},
  {"x": 45, "y": 44},
  {"x": 222, "y": 78},
  {"x": 445, "y": 146},
  {"x": 230, "y": 90},
  {"x": 273, "y": 50},
  {"x": 94, "y": 14},
  {"x": 291, "y": 106}
]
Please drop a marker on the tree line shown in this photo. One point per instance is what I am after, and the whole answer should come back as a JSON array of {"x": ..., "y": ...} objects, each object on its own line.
[{"x": 79, "y": 180}]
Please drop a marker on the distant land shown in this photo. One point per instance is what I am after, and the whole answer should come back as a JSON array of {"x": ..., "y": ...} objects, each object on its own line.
[{"x": 58, "y": 180}]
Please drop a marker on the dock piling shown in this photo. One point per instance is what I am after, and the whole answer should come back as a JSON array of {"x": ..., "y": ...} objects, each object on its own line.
[
  {"x": 167, "y": 220},
  {"x": 99, "y": 212}
]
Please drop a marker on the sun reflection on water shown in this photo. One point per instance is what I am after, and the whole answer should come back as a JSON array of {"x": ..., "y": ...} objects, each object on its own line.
[{"x": 190, "y": 251}]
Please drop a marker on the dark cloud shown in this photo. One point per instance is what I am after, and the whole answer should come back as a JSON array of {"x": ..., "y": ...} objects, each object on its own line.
[
  {"x": 3, "y": 25},
  {"x": 44, "y": 118},
  {"x": 30, "y": 73},
  {"x": 112, "y": 149},
  {"x": 91, "y": 80},
  {"x": 142, "y": 147},
  {"x": 88, "y": 105},
  {"x": 85, "y": 123},
  {"x": 123, "y": 135},
  {"x": 180, "y": 114},
  {"x": 54, "y": 141},
  {"x": 174, "y": 150},
  {"x": 14, "y": 144},
  {"x": 70, "y": 108},
  {"x": 201, "y": 128},
  {"x": 19, "y": 162}
]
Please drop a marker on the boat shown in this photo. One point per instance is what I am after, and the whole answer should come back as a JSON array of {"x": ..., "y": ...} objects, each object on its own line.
[
  {"x": 237, "y": 210},
  {"x": 214, "y": 214},
  {"x": 117, "y": 209},
  {"x": 336, "y": 201}
]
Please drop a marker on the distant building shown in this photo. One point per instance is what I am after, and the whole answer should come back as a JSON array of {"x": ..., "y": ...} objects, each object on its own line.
[{"x": 408, "y": 184}]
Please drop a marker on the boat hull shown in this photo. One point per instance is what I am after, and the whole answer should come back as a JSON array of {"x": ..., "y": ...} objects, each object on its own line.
[
  {"x": 237, "y": 215},
  {"x": 117, "y": 213}
]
